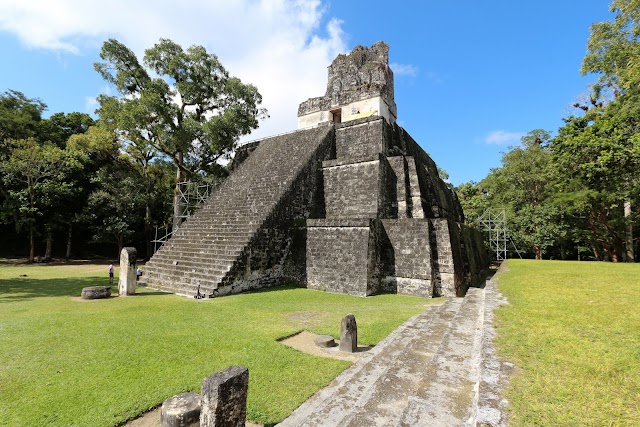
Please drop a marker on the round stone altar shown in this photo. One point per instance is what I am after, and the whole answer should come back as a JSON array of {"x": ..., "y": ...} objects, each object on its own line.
[{"x": 96, "y": 292}]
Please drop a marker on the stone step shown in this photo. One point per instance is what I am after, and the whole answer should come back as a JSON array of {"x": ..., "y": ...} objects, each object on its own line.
[
  {"x": 182, "y": 289},
  {"x": 206, "y": 244},
  {"x": 218, "y": 229},
  {"x": 203, "y": 261},
  {"x": 450, "y": 394},
  {"x": 198, "y": 251},
  {"x": 186, "y": 270},
  {"x": 221, "y": 228},
  {"x": 190, "y": 272},
  {"x": 211, "y": 240}
]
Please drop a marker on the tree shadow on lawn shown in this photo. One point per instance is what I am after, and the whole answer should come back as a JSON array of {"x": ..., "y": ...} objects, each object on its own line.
[{"x": 24, "y": 288}]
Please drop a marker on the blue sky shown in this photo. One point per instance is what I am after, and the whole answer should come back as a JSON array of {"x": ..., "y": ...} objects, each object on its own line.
[{"x": 470, "y": 77}]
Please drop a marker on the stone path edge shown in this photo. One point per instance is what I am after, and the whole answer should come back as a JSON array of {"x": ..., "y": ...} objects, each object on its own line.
[{"x": 495, "y": 372}]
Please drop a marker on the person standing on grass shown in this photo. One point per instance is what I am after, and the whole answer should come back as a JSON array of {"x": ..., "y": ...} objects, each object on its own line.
[{"x": 111, "y": 273}]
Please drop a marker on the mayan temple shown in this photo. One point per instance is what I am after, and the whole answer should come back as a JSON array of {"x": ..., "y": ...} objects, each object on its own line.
[{"x": 347, "y": 203}]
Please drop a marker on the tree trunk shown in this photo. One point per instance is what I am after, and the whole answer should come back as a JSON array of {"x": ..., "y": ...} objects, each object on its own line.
[
  {"x": 67, "y": 255},
  {"x": 596, "y": 252},
  {"x": 178, "y": 205},
  {"x": 628, "y": 238},
  {"x": 32, "y": 244},
  {"x": 120, "y": 242},
  {"x": 47, "y": 251},
  {"x": 538, "y": 251},
  {"x": 148, "y": 232},
  {"x": 610, "y": 252}
]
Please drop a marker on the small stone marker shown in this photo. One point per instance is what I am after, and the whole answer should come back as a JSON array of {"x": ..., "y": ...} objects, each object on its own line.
[
  {"x": 127, "y": 280},
  {"x": 224, "y": 398},
  {"x": 96, "y": 292},
  {"x": 182, "y": 410},
  {"x": 325, "y": 341},
  {"x": 348, "y": 334}
]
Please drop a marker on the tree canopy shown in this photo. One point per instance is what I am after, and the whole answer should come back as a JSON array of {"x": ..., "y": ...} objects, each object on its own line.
[
  {"x": 180, "y": 103},
  {"x": 193, "y": 111}
]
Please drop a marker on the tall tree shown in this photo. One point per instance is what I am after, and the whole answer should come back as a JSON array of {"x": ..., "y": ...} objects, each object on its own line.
[
  {"x": 599, "y": 157},
  {"x": 614, "y": 48},
  {"x": 20, "y": 116},
  {"x": 181, "y": 103},
  {"x": 472, "y": 200},
  {"x": 34, "y": 175},
  {"x": 116, "y": 206},
  {"x": 613, "y": 52},
  {"x": 525, "y": 186},
  {"x": 60, "y": 127}
]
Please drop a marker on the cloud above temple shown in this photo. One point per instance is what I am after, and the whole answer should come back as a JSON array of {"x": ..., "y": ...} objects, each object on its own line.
[
  {"x": 404, "y": 69},
  {"x": 281, "y": 46},
  {"x": 503, "y": 137}
]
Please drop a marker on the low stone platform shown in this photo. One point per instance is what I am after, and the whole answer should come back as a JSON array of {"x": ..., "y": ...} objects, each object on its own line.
[{"x": 438, "y": 370}]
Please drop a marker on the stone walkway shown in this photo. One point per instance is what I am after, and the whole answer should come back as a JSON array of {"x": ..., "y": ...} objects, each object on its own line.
[{"x": 439, "y": 369}]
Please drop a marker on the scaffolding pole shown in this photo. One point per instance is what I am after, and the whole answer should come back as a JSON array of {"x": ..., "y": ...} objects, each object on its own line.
[
  {"x": 192, "y": 195},
  {"x": 494, "y": 223}
]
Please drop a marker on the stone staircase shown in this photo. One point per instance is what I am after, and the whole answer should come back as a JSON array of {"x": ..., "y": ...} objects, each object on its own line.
[
  {"x": 429, "y": 372},
  {"x": 203, "y": 253}
]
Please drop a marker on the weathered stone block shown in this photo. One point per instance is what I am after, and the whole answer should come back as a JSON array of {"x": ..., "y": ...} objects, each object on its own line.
[
  {"x": 127, "y": 280},
  {"x": 182, "y": 410},
  {"x": 349, "y": 334},
  {"x": 324, "y": 341},
  {"x": 224, "y": 398},
  {"x": 341, "y": 256}
]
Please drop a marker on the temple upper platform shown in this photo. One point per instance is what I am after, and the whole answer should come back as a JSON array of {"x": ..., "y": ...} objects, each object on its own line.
[{"x": 359, "y": 85}]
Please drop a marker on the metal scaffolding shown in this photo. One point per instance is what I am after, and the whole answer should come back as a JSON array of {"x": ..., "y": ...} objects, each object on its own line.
[
  {"x": 191, "y": 195},
  {"x": 494, "y": 223}
]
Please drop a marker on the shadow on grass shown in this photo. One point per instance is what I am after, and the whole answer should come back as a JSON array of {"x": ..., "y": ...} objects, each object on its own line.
[
  {"x": 17, "y": 262},
  {"x": 24, "y": 288},
  {"x": 150, "y": 293}
]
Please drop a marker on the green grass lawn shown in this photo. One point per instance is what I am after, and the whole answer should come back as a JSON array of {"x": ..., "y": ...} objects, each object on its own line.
[
  {"x": 65, "y": 362},
  {"x": 573, "y": 330}
]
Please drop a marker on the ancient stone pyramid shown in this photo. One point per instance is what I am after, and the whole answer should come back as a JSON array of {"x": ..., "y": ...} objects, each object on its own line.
[{"x": 348, "y": 203}]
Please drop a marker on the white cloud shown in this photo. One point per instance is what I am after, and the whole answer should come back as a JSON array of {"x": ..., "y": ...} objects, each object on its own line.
[
  {"x": 91, "y": 103},
  {"x": 280, "y": 46},
  {"x": 503, "y": 137},
  {"x": 404, "y": 69}
]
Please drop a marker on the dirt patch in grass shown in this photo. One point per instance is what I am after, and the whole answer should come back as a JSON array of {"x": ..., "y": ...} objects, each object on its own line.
[
  {"x": 152, "y": 419},
  {"x": 304, "y": 341},
  {"x": 306, "y": 319}
]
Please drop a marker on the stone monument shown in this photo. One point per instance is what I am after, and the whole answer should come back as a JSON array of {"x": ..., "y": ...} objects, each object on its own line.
[
  {"x": 224, "y": 398},
  {"x": 127, "y": 280},
  {"x": 349, "y": 334}
]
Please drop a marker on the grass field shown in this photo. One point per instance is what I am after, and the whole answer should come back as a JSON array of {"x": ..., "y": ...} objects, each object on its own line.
[
  {"x": 65, "y": 362},
  {"x": 573, "y": 330}
]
